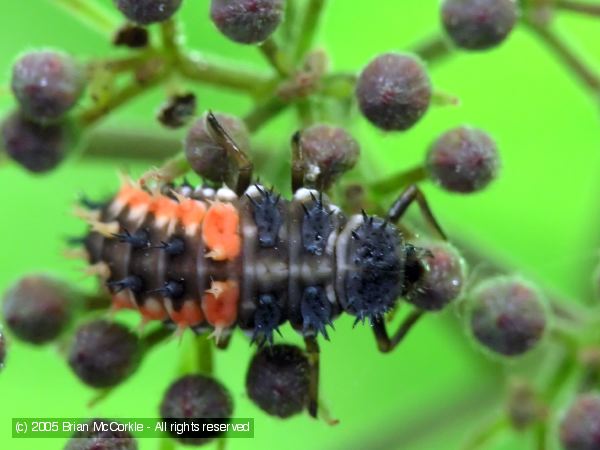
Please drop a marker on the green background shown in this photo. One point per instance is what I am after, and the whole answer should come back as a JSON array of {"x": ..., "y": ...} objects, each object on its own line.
[{"x": 541, "y": 217}]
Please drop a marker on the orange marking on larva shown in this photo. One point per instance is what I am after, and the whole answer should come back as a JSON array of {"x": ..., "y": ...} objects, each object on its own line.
[
  {"x": 220, "y": 231},
  {"x": 191, "y": 212},
  {"x": 163, "y": 206},
  {"x": 189, "y": 315},
  {"x": 133, "y": 196},
  {"x": 220, "y": 303},
  {"x": 122, "y": 302}
]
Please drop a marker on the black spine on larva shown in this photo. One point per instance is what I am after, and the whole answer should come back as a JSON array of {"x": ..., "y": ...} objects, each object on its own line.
[
  {"x": 316, "y": 227},
  {"x": 267, "y": 217},
  {"x": 264, "y": 265},
  {"x": 316, "y": 224},
  {"x": 374, "y": 274}
]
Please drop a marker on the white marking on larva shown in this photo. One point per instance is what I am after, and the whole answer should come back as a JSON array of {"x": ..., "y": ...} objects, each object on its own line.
[
  {"x": 225, "y": 194},
  {"x": 106, "y": 229},
  {"x": 192, "y": 229},
  {"x": 342, "y": 245},
  {"x": 186, "y": 191},
  {"x": 116, "y": 207},
  {"x": 138, "y": 214},
  {"x": 206, "y": 192},
  {"x": 254, "y": 190},
  {"x": 330, "y": 289},
  {"x": 271, "y": 271},
  {"x": 304, "y": 194}
]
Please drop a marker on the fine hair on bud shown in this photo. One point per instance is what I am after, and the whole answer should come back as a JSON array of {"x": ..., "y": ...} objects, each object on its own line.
[
  {"x": 478, "y": 24},
  {"x": 36, "y": 147},
  {"x": 581, "y": 422},
  {"x": 104, "y": 354},
  {"x": 394, "y": 91},
  {"x": 442, "y": 280},
  {"x": 463, "y": 160},
  {"x": 327, "y": 151},
  {"x": 99, "y": 436},
  {"x": 278, "y": 380},
  {"x": 246, "y": 21},
  {"x": 38, "y": 308},
  {"x": 145, "y": 12},
  {"x": 507, "y": 315},
  {"x": 196, "y": 397},
  {"x": 47, "y": 84}
]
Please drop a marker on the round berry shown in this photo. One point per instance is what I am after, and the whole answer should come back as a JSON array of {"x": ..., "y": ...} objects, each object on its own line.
[
  {"x": 394, "y": 91},
  {"x": 580, "y": 427},
  {"x": 209, "y": 159},
  {"x": 37, "y": 308},
  {"x": 246, "y": 21},
  {"x": 104, "y": 354},
  {"x": 478, "y": 24},
  {"x": 278, "y": 380},
  {"x": 463, "y": 160},
  {"x": 36, "y": 147},
  {"x": 443, "y": 279},
  {"x": 145, "y": 12},
  {"x": 507, "y": 315},
  {"x": 97, "y": 439},
  {"x": 328, "y": 152},
  {"x": 47, "y": 84},
  {"x": 196, "y": 397}
]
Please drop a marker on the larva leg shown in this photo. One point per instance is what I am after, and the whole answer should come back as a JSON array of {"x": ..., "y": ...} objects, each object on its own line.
[
  {"x": 238, "y": 155},
  {"x": 297, "y": 163},
  {"x": 312, "y": 349},
  {"x": 387, "y": 344},
  {"x": 406, "y": 198}
]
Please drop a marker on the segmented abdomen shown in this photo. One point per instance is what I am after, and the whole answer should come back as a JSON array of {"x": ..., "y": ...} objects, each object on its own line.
[{"x": 206, "y": 259}]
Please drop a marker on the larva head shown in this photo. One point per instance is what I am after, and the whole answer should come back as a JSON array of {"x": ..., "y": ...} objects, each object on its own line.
[{"x": 371, "y": 262}]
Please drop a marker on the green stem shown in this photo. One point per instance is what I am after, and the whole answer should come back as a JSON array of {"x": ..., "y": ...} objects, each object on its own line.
[
  {"x": 264, "y": 112},
  {"x": 275, "y": 57},
  {"x": 541, "y": 436},
  {"x": 488, "y": 432},
  {"x": 130, "y": 144},
  {"x": 204, "y": 355},
  {"x": 338, "y": 85},
  {"x": 584, "y": 73},
  {"x": 578, "y": 7},
  {"x": 173, "y": 168},
  {"x": 152, "y": 339},
  {"x": 308, "y": 28},
  {"x": 92, "y": 115},
  {"x": 195, "y": 68},
  {"x": 90, "y": 13},
  {"x": 288, "y": 28},
  {"x": 433, "y": 49},
  {"x": 397, "y": 182}
]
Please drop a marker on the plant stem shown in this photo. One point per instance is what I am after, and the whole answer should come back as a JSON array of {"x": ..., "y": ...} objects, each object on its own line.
[
  {"x": 130, "y": 91},
  {"x": 173, "y": 168},
  {"x": 308, "y": 28},
  {"x": 204, "y": 355},
  {"x": 488, "y": 432},
  {"x": 124, "y": 144},
  {"x": 264, "y": 112},
  {"x": 155, "y": 337},
  {"x": 578, "y": 7},
  {"x": 275, "y": 57},
  {"x": 195, "y": 68},
  {"x": 397, "y": 182},
  {"x": 288, "y": 29},
  {"x": 433, "y": 49},
  {"x": 90, "y": 13},
  {"x": 584, "y": 73}
]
